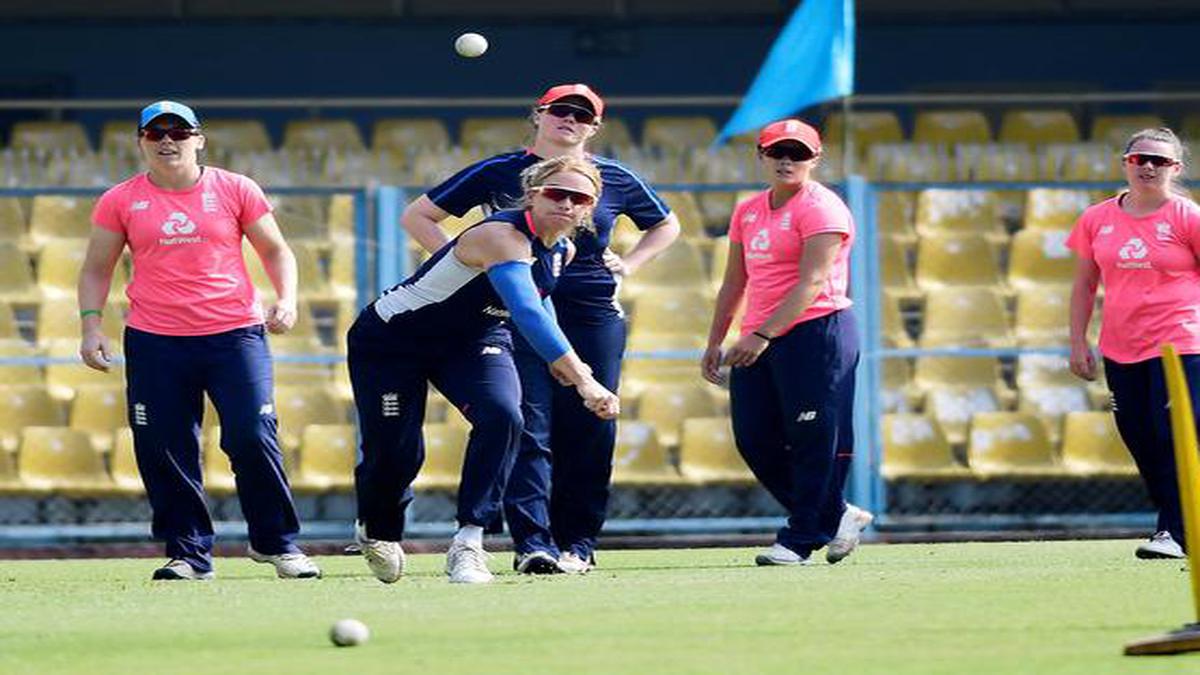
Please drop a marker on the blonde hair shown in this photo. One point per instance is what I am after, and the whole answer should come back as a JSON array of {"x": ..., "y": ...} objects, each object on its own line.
[
  {"x": 535, "y": 176},
  {"x": 1163, "y": 135}
]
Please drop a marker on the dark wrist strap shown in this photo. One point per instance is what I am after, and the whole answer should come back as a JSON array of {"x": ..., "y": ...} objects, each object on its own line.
[{"x": 765, "y": 337}]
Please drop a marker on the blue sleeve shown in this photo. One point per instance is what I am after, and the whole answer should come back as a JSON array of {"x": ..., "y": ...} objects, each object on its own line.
[
  {"x": 513, "y": 281},
  {"x": 464, "y": 190},
  {"x": 641, "y": 203}
]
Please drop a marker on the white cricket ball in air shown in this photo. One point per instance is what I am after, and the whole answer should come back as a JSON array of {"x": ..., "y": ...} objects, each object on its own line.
[
  {"x": 470, "y": 45},
  {"x": 349, "y": 633}
]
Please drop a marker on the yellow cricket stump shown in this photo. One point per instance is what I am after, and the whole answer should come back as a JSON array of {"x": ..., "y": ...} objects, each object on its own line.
[{"x": 1187, "y": 464}]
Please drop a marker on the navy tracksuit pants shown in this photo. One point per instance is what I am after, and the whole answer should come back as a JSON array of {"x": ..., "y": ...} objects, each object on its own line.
[
  {"x": 166, "y": 379},
  {"x": 557, "y": 496},
  {"x": 792, "y": 416},
  {"x": 1139, "y": 392},
  {"x": 390, "y": 375}
]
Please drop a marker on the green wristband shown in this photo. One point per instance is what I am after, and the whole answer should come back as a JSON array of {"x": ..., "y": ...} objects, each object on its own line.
[{"x": 85, "y": 312}]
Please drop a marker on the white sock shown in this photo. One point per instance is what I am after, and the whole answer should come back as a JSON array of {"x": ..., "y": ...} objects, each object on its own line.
[{"x": 470, "y": 535}]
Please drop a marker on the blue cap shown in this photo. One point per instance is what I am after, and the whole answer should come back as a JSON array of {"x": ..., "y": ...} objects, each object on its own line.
[{"x": 155, "y": 110}]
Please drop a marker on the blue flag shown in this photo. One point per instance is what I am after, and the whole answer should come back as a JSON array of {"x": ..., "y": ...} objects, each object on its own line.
[{"x": 811, "y": 61}]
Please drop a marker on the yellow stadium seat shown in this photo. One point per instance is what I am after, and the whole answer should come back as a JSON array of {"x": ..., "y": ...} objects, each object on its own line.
[
  {"x": 1010, "y": 445},
  {"x": 241, "y": 135},
  {"x": 640, "y": 373},
  {"x": 1043, "y": 316},
  {"x": 337, "y": 134},
  {"x": 951, "y": 126},
  {"x": 897, "y": 392},
  {"x": 646, "y": 341},
  {"x": 8, "y": 325},
  {"x": 405, "y": 135},
  {"x": 1054, "y": 209},
  {"x": 687, "y": 210},
  {"x": 897, "y": 273},
  {"x": 445, "y": 445},
  {"x": 959, "y": 260},
  {"x": 61, "y": 460},
  {"x": 707, "y": 453},
  {"x": 953, "y": 407},
  {"x": 614, "y": 133},
  {"x": 313, "y": 283},
  {"x": 60, "y": 216},
  {"x": 58, "y": 319},
  {"x": 639, "y": 457},
  {"x": 16, "y": 275},
  {"x": 1038, "y": 127},
  {"x": 218, "y": 472},
  {"x": 302, "y": 217},
  {"x": 678, "y": 132},
  {"x": 14, "y": 227},
  {"x": 10, "y": 480},
  {"x": 915, "y": 162},
  {"x": 123, "y": 464},
  {"x": 298, "y": 406},
  {"x": 1093, "y": 448},
  {"x": 24, "y": 406},
  {"x": 942, "y": 212},
  {"x": 681, "y": 265},
  {"x": 895, "y": 213},
  {"x": 119, "y": 135},
  {"x": 665, "y": 406},
  {"x": 720, "y": 257},
  {"x": 1051, "y": 403},
  {"x": 914, "y": 447},
  {"x": 59, "y": 263},
  {"x": 894, "y": 333},
  {"x": 21, "y": 374},
  {"x": 495, "y": 133},
  {"x": 673, "y": 310},
  {"x": 64, "y": 379},
  {"x": 1115, "y": 130},
  {"x": 1091, "y": 162},
  {"x": 50, "y": 135},
  {"x": 938, "y": 372},
  {"x": 98, "y": 412},
  {"x": 1044, "y": 370},
  {"x": 992, "y": 162},
  {"x": 965, "y": 317},
  {"x": 455, "y": 225},
  {"x": 1040, "y": 257},
  {"x": 341, "y": 216},
  {"x": 717, "y": 207},
  {"x": 867, "y": 128},
  {"x": 328, "y": 455}
]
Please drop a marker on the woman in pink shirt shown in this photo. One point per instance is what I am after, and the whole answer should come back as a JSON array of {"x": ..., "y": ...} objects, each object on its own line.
[
  {"x": 1143, "y": 245},
  {"x": 195, "y": 325},
  {"x": 792, "y": 381}
]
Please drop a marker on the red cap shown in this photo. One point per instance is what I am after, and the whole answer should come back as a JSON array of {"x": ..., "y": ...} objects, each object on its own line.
[
  {"x": 564, "y": 90},
  {"x": 790, "y": 130}
]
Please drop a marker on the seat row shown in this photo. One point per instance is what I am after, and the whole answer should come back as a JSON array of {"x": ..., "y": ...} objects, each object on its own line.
[{"x": 1005, "y": 445}]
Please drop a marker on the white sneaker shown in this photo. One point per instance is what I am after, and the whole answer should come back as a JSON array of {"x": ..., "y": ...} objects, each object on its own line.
[
  {"x": 288, "y": 565},
  {"x": 536, "y": 562},
  {"x": 384, "y": 558},
  {"x": 570, "y": 563},
  {"x": 854, "y": 521},
  {"x": 779, "y": 554},
  {"x": 466, "y": 564},
  {"x": 1161, "y": 545},
  {"x": 179, "y": 570}
]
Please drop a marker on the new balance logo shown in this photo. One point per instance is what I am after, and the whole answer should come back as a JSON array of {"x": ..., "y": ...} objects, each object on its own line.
[
  {"x": 140, "y": 205},
  {"x": 492, "y": 351},
  {"x": 807, "y": 416},
  {"x": 497, "y": 311},
  {"x": 391, "y": 405},
  {"x": 139, "y": 415},
  {"x": 266, "y": 409}
]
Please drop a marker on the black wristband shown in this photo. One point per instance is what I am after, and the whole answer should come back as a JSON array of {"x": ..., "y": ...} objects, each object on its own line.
[{"x": 765, "y": 337}]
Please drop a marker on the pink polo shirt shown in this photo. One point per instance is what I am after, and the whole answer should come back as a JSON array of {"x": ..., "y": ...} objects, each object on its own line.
[
  {"x": 189, "y": 277},
  {"x": 772, "y": 242},
  {"x": 1150, "y": 275}
]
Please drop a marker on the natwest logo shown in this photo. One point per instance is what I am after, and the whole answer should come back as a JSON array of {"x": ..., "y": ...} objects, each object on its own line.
[
  {"x": 177, "y": 227},
  {"x": 1134, "y": 249}
]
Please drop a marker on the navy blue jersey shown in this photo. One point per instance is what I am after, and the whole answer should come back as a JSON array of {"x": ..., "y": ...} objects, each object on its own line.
[
  {"x": 446, "y": 300},
  {"x": 587, "y": 289}
]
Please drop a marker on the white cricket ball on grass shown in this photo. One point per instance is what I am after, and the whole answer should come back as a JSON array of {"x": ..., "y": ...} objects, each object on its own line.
[
  {"x": 470, "y": 45},
  {"x": 349, "y": 633}
]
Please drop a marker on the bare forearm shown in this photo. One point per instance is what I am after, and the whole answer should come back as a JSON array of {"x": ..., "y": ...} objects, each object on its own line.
[
  {"x": 93, "y": 288},
  {"x": 728, "y": 299},
  {"x": 652, "y": 243},
  {"x": 280, "y": 266},
  {"x": 799, "y": 299},
  {"x": 425, "y": 230},
  {"x": 571, "y": 368},
  {"x": 1083, "y": 297}
]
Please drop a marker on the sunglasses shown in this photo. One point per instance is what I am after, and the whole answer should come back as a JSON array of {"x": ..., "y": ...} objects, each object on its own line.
[
  {"x": 794, "y": 153},
  {"x": 557, "y": 194},
  {"x": 565, "y": 110},
  {"x": 175, "y": 133},
  {"x": 1157, "y": 161}
]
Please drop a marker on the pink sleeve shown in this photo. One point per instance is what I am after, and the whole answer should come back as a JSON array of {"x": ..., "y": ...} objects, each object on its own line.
[
  {"x": 1080, "y": 239},
  {"x": 1192, "y": 227},
  {"x": 735, "y": 223},
  {"x": 253, "y": 202},
  {"x": 107, "y": 213},
  {"x": 823, "y": 218}
]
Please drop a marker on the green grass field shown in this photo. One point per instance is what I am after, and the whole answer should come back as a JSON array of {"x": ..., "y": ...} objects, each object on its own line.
[{"x": 1058, "y": 607}]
